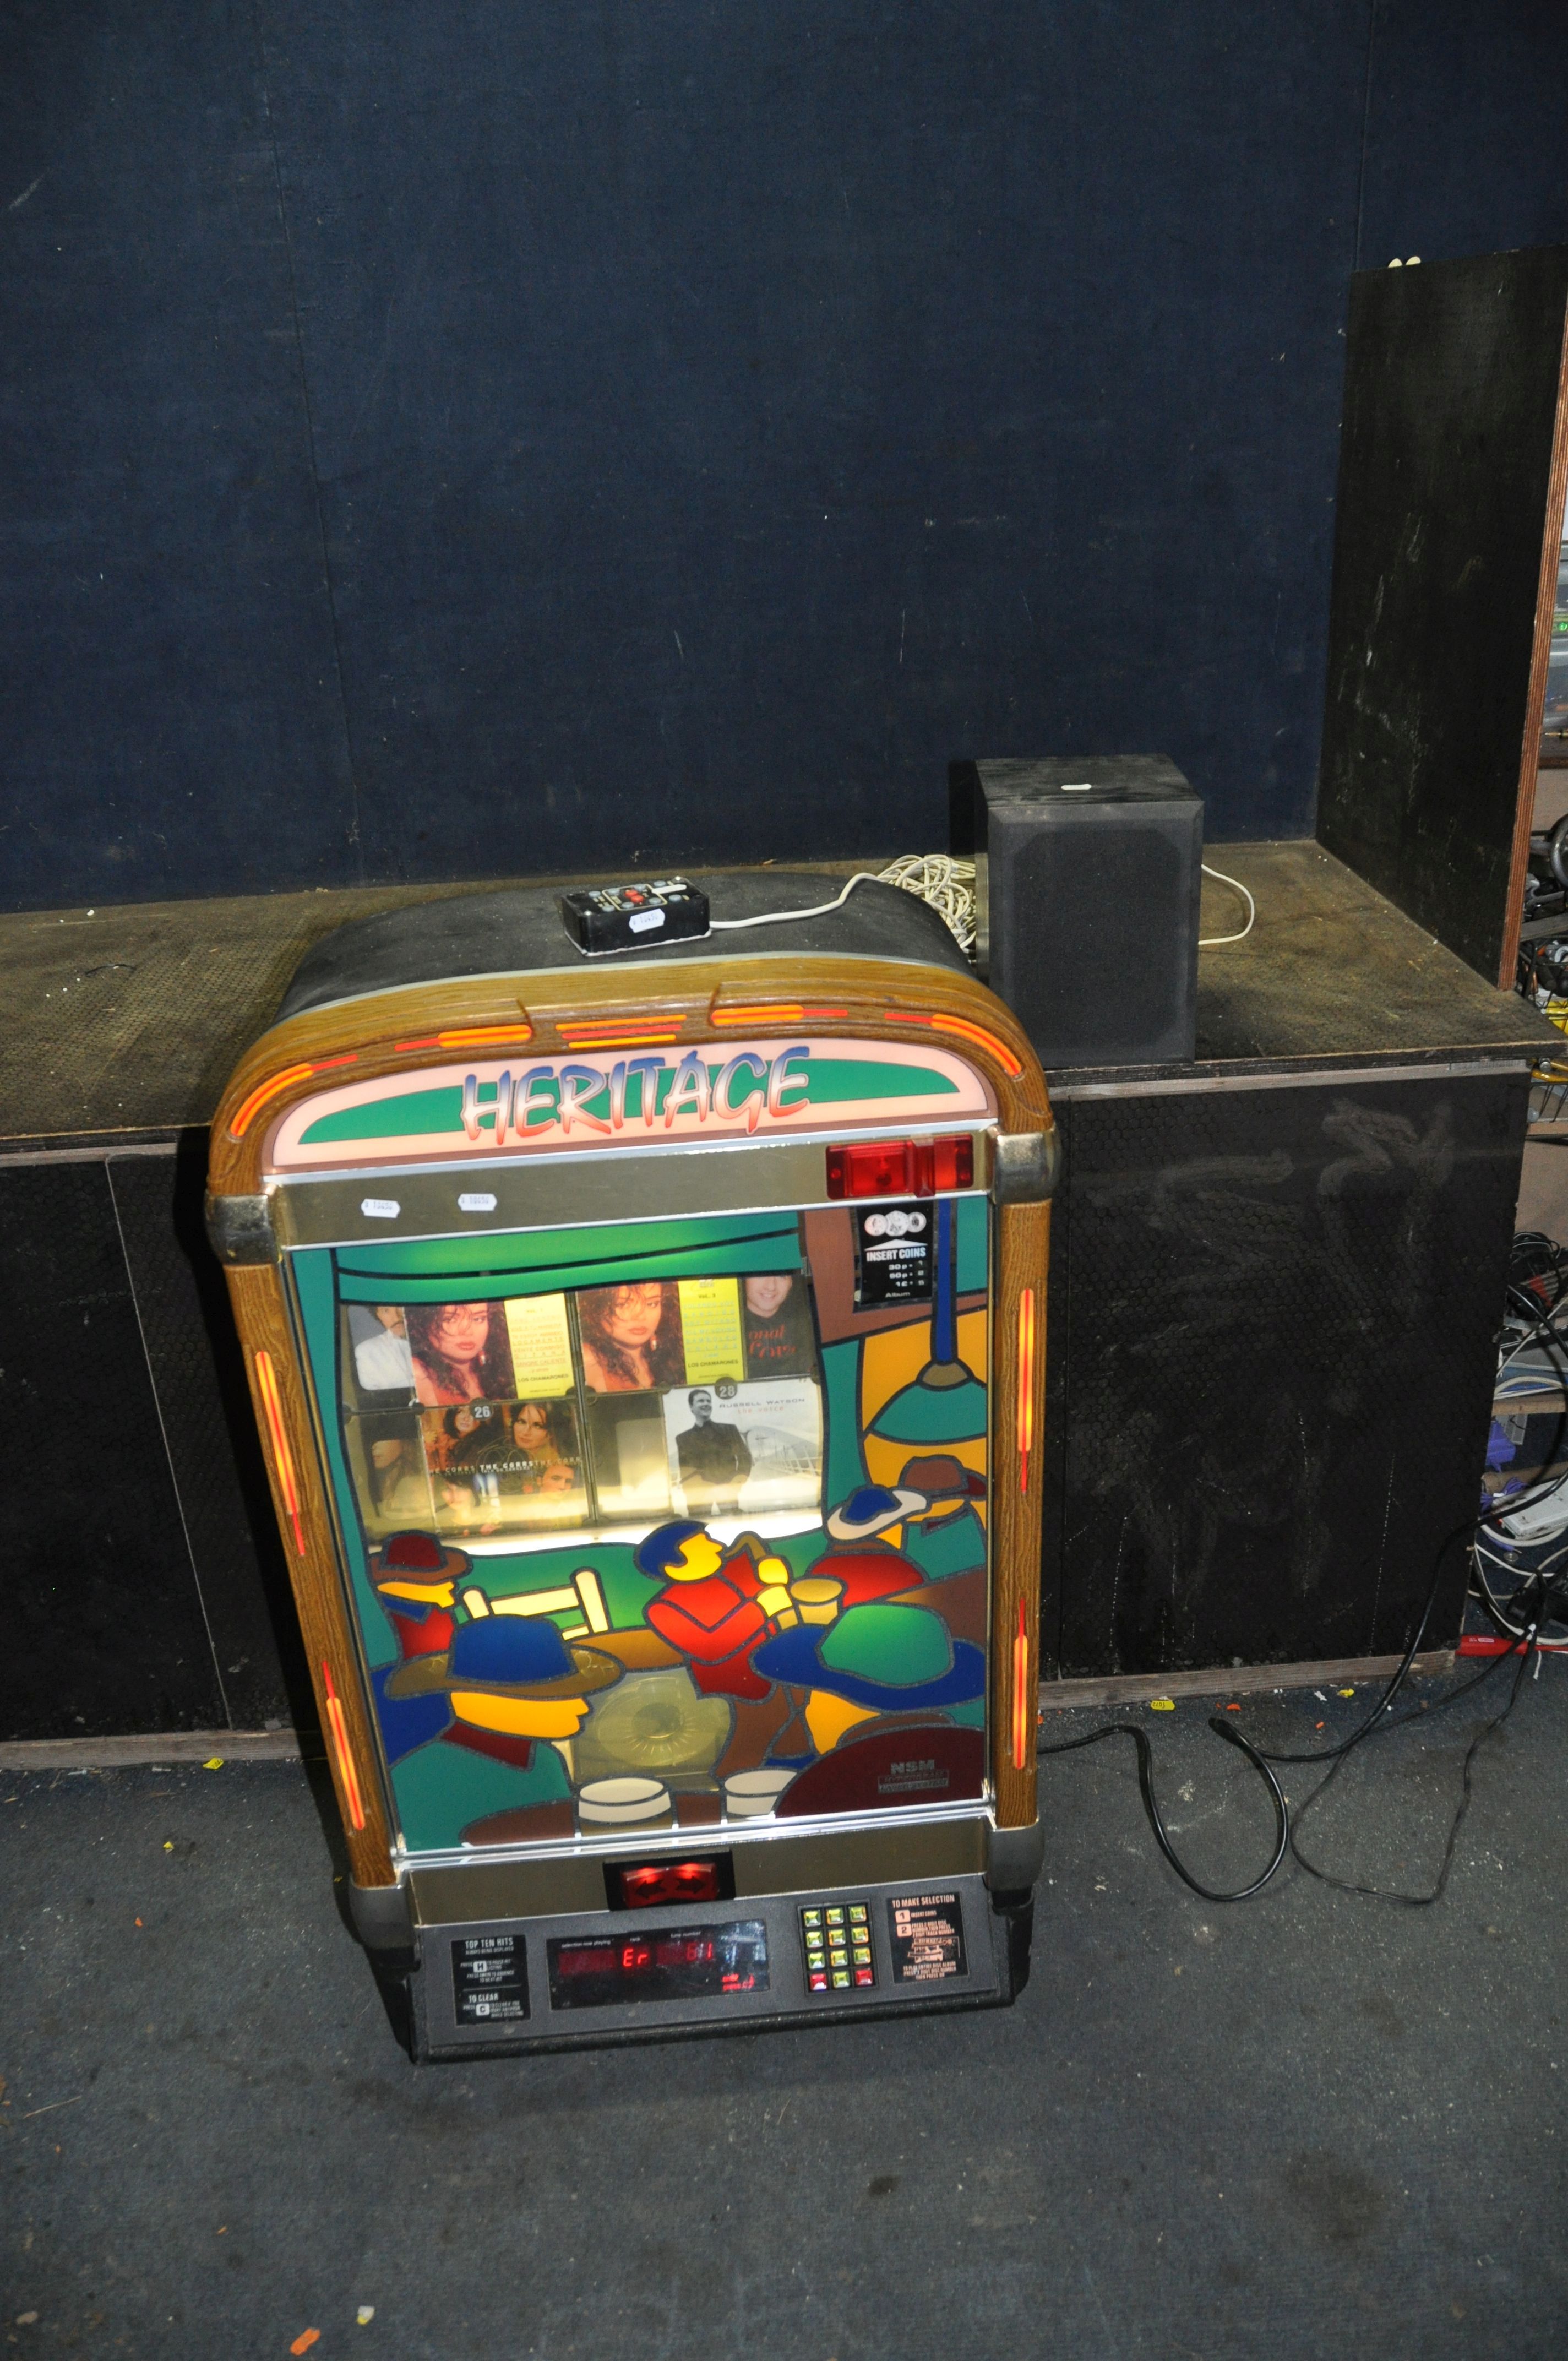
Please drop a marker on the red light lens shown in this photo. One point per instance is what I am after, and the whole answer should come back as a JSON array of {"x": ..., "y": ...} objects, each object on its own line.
[
  {"x": 953, "y": 1162},
  {"x": 901, "y": 1167},
  {"x": 875, "y": 1168},
  {"x": 658, "y": 1883}
]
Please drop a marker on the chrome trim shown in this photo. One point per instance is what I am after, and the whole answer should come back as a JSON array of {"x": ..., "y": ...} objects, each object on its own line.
[
  {"x": 715, "y": 1836},
  {"x": 593, "y": 1187}
]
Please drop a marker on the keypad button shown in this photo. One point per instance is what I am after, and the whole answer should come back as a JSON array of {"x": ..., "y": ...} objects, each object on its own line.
[
  {"x": 834, "y": 1917},
  {"x": 857, "y": 1910},
  {"x": 811, "y": 1917},
  {"x": 865, "y": 1976},
  {"x": 840, "y": 1979},
  {"x": 862, "y": 1957},
  {"x": 819, "y": 1981}
]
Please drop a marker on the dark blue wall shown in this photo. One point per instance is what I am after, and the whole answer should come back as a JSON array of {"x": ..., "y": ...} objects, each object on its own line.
[{"x": 482, "y": 438}]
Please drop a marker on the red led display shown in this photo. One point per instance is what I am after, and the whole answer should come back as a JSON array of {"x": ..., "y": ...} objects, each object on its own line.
[
  {"x": 635, "y": 1959},
  {"x": 656, "y": 1883},
  {"x": 901, "y": 1167},
  {"x": 667, "y": 1964}
]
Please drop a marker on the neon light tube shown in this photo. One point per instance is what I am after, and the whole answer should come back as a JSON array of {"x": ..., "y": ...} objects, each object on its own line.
[
  {"x": 1008, "y": 1059},
  {"x": 269, "y": 1089},
  {"x": 339, "y": 1728},
  {"x": 1021, "y": 1692},
  {"x": 782, "y": 1011},
  {"x": 1026, "y": 1406},
  {"x": 282, "y": 1457}
]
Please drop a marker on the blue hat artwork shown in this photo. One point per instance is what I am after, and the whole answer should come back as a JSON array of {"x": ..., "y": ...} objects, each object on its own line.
[
  {"x": 871, "y": 1509},
  {"x": 509, "y": 1655}
]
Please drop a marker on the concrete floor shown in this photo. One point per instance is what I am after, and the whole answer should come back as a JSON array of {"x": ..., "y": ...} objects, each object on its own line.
[{"x": 1308, "y": 2126}]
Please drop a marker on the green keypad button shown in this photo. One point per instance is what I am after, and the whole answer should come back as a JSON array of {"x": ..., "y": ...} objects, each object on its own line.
[{"x": 837, "y": 1938}]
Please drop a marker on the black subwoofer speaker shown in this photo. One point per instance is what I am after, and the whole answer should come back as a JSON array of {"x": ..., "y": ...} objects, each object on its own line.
[{"x": 1087, "y": 872}]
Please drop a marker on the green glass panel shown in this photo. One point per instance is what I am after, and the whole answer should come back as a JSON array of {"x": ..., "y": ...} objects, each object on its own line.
[
  {"x": 648, "y": 1249},
  {"x": 973, "y": 1228},
  {"x": 441, "y": 1788},
  {"x": 922, "y": 1413},
  {"x": 845, "y": 1470},
  {"x": 957, "y": 1545},
  {"x": 311, "y": 1274}
]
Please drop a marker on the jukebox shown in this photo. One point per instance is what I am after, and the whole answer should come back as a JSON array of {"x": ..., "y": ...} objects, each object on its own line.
[{"x": 647, "y": 1354}]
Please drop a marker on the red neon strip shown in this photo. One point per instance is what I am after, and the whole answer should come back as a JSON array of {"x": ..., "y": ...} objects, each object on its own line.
[
  {"x": 269, "y": 1089},
  {"x": 1021, "y": 1693},
  {"x": 609, "y": 1028},
  {"x": 788, "y": 1011},
  {"x": 470, "y": 1036},
  {"x": 339, "y": 1728},
  {"x": 1008, "y": 1059},
  {"x": 282, "y": 1457},
  {"x": 1025, "y": 1428},
  {"x": 660, "y": 1041}
]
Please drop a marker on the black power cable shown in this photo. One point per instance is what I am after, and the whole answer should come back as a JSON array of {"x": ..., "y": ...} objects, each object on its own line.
[
  {"x": 1263, "y": 1758},
  {"x": 1392, "y": 1894},
  {"x": 1140, "y": 1738}
]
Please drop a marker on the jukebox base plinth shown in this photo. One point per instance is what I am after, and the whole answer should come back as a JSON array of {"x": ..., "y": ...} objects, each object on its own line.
[{"x": 504, "y": 1986}]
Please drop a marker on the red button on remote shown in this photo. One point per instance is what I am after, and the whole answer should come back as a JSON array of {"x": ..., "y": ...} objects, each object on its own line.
[
  {"x": 865, "y": 1975},
  {"x": 818, "y": 1983}
]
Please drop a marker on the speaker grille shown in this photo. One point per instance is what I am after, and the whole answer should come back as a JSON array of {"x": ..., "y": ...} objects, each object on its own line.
[{"x": 1089, "y": 944}]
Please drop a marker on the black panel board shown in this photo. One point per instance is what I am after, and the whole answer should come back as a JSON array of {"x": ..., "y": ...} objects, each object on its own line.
[
  {"x": 1451, "y": 376},
  {"x": 173, "y": 719},
  {"x": 104, "y": 1630},
  {"x": 1278, "y": 1354},
  {"x": 210, "y": 1433}
]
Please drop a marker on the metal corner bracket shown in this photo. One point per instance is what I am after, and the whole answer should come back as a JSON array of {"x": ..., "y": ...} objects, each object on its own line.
[
  {"x": 1013, "y": 1858},
  {"x": 1025, "y": 1165},
  {"x": 239, "y": 1229},
  {"x": 382, "y": 1916}
]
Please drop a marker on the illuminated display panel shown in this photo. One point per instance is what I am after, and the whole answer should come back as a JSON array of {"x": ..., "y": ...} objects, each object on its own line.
[
  {"x": 665, "y": 1964},
  {"x": 697, "y": 1398}
]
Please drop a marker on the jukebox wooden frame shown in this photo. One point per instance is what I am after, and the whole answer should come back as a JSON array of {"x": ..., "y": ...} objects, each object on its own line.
[{"x": 685, "y": 1003}]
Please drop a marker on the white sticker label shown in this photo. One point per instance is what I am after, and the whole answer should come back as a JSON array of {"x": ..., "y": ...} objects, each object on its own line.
[
  {"x": 642, "y": 922},
  {"x": 474, "y": 1201},
  {"x": 381, "y": 1209}
]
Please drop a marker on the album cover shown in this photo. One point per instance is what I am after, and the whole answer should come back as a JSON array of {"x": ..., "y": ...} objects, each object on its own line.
[{"x": 736, "y": 1450}]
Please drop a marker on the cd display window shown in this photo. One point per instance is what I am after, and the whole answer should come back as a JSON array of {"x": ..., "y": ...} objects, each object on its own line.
[{"x": 620, "y": 1404}]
